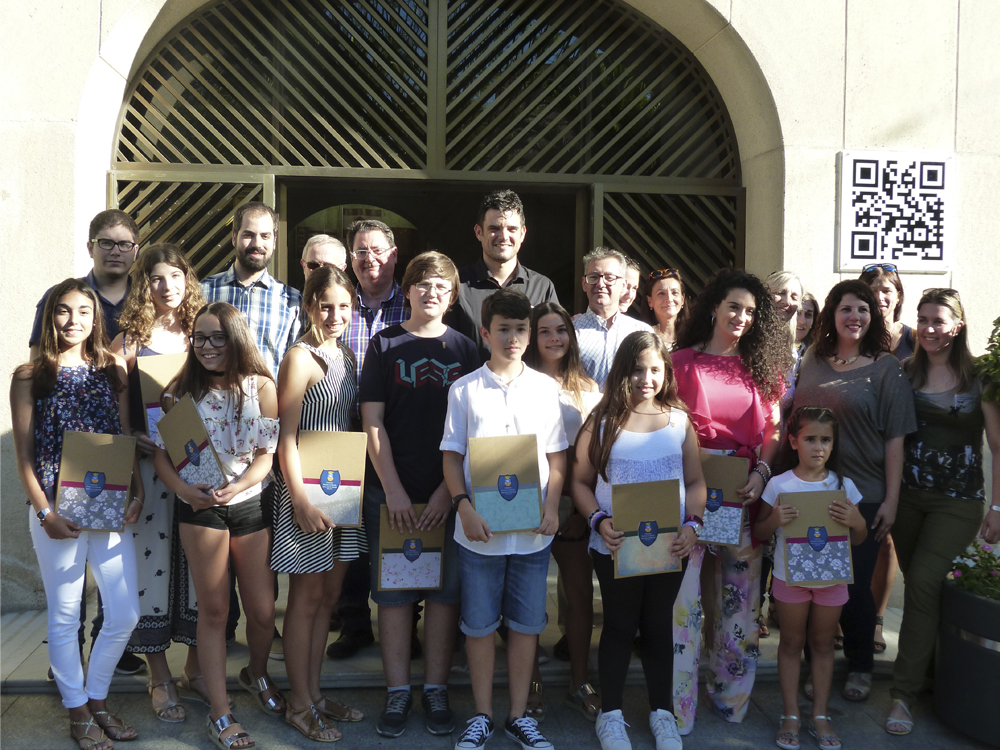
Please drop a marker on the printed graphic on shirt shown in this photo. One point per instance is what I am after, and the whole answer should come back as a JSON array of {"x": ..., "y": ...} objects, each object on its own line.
[{"x": 427, "y": 372}]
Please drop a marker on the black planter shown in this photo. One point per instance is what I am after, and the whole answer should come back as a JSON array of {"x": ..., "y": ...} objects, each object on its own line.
[{"x": 967, "y": 666}]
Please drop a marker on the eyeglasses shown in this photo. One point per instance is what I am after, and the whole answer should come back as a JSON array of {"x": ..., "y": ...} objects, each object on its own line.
[
  {"x": 377, "y": 252},
  {"x": 890, "y": 267},
  {"x": 314, "y": 265},
  {"x": 609, "y": 278},
  {"x": 125, "y": 246},
  {"x": 665, "y": 273},
  {"x": 441, "y": 290},
  {"x": 217, "y": 340}
]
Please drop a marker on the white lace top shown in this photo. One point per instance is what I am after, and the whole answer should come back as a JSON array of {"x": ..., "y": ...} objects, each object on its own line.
[{"x": 643, "y": 457}]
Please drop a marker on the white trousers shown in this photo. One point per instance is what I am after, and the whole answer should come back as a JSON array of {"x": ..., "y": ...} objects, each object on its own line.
[{"x": 63, "y": 563}]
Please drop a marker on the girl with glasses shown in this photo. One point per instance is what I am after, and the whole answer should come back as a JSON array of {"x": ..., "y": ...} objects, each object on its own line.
[
  {"x": 230, "y": 383},
  {"x": 666, "y": 303},
  {"x": 77, "y": 384},
  {"x": 317, "y": 390},
  {"x": 159, "y": 312}
]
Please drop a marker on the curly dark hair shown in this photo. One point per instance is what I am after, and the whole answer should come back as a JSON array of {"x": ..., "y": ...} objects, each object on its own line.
[
  {"x": 503, "y": 201},
  {"x": 764, "y": 349},
  {"x": 876, "y": 339}
]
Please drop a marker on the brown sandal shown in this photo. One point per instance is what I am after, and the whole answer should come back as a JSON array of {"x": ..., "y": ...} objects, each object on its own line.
[
  {"x": 536, "y": 704},
  {"x": 84, "y": 740},
  {"x": 310, "y": 723},
  {"x": 114, "y": 730},
  {"x": 257, "y": 686},
  {"x": 338, "y": 711}
]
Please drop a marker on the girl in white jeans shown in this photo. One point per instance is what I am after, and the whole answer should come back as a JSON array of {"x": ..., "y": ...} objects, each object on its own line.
[{"x": 77, "y": 384}]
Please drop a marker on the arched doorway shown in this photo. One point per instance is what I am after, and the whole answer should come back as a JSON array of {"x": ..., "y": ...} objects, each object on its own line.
[{"x": 587, "y": 100}]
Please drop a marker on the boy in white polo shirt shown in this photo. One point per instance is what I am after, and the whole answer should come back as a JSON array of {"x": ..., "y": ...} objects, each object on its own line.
[{"x": 503, "y": 575}]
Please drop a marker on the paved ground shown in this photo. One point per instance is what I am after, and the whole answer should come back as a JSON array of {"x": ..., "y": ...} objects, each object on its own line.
[{"x": 33, "y": 722}]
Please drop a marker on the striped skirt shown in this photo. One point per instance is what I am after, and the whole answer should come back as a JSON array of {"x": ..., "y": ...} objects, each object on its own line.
[{"x": 294, "y": 551}]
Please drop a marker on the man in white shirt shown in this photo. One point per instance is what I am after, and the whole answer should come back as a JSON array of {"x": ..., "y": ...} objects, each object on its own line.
[
  {"x": 323, "y": 250},
  {"x": 602, "y": 328}
]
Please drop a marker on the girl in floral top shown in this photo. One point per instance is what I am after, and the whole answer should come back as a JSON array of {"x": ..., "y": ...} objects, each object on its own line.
[
  {"x": 229, "y": 381},
  {"x": 77, "y": 384}
]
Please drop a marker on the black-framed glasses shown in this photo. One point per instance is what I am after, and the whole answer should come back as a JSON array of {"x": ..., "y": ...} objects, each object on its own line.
[
  {"x": 665, "y": 273},
  {"x": 315, "y": 265},
  {"x": 124, "y": 246},
  {"x": 609, "y": 278},
  {"x": 890, "y": 267},
  {"x": 217, "y": 340},
  {"x": 376, "y": 252}
]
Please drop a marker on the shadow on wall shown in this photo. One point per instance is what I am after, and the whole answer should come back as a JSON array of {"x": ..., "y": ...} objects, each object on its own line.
[{"x": 21, "y": 587}]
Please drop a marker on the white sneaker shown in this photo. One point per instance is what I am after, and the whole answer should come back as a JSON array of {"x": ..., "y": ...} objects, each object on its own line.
[
  {"x": 611, "y": 731},
  {"x": 664, "y": 727}
]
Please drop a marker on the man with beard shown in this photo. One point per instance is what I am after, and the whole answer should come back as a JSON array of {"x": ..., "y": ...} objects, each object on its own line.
[
  {"x": 500, "y": 229},
  {"x": 270, "y": 307}
]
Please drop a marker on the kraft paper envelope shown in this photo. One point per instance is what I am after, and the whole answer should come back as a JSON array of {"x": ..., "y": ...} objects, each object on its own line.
[
  {"x": 94, "y": 477},
  {"x": 506, "y": 490},
  {"x": 817, "y": 548},
  {"x": 410, "y": 560},
  {"x": 191, "y": 452},
  {"x": 333, "y": 471},
  {"x": 650, "y": 515},
  {"x": 155, "y": 373},
  {"x": 724, "y": 508}
]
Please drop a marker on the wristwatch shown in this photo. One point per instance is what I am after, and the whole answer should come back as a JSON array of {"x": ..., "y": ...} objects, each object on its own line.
[
  {"x": 41, "y": 515},
  {"x": 458, "y": 499}
]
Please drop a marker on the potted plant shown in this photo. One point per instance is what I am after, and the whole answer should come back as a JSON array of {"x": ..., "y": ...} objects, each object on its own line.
[{"x": 967, "y": 671}]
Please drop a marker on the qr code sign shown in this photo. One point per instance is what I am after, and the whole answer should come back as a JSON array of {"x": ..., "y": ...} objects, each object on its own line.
[{"x": 895, "y": 208}]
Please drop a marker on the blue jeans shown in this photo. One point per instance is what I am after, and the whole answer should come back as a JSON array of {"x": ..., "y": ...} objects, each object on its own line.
[{"x": 513, "y": 586}]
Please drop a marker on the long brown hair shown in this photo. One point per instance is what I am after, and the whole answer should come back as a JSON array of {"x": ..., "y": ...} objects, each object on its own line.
[
  {"x": 572, "y": 376},
  {"x": 876, "y": 338},
  {"x": 318, "y": 282},
  {"x": 96, "y": 349},
  {"x": 960, "y": 359},
  {"x": 139, "y": 315},
  {"x": 243, "y": 358},
  {"x": 608, "y": 418}
]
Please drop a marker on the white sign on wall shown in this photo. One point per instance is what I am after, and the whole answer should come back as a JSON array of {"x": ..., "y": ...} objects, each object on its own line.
[{"x": 895, "y": 207}]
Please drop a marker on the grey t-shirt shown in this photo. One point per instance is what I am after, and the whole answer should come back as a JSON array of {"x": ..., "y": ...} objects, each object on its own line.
[{"x": 873, "y": 404}]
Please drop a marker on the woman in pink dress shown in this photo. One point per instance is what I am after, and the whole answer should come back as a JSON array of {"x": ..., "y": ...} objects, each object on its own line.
[{"x": 730, "y": 362}]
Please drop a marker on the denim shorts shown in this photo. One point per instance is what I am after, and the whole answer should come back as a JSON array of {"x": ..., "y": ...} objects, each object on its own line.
[
  {"x": 513, "y": 586},
  {"x": 451, "y": 589},
  {"x": 240, "y": 519}
]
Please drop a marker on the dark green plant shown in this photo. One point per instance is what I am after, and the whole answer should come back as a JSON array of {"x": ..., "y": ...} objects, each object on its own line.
[{"x": 988, "y": 366}]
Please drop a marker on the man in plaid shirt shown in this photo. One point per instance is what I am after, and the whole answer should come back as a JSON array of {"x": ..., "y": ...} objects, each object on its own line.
[
  {"x": 380, "y": 304},
  {"x": 270, "y": 307}
]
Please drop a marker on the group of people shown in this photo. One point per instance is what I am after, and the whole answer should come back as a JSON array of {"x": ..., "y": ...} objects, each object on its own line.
[{"x": 814, "y": 398}]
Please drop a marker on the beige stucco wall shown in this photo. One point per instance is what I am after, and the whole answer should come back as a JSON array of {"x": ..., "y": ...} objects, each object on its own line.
[{"x": 801, "y": 80}]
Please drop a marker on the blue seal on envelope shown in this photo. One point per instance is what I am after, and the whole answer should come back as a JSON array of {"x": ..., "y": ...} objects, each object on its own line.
[
  {"x": 507, "y": 486},
  {"x": 192, "y": 452},
  {"x": 817, "y": 537},
  {"x": 93, "y": 483},
  {"x": 412, "y": 549},
  {"x": 648, "y": 531},
  {"x": 329, "y": 481},
  {"x": 714, "y": 501}
]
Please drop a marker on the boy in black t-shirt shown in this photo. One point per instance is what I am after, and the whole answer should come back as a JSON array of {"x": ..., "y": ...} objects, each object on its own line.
[{"x": 407, "y": 372}]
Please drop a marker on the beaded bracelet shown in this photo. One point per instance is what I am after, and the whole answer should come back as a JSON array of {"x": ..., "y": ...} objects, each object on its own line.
[
  {"x": 759, "y": 472},
  {"x": 762, "y": 462}
]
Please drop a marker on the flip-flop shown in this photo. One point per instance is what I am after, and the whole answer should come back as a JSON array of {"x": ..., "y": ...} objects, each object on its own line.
[{"x": 907, "y": 724}]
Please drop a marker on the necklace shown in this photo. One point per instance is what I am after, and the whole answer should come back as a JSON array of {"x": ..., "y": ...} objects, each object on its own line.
[{"x": 838, "y": 361}]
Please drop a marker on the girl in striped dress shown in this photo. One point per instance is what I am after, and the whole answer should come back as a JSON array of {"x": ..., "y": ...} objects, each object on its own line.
[{"x": 316, "y": 391}]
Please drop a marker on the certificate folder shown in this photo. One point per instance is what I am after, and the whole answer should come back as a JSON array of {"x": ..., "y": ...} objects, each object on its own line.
[
  {"x": 817, "y": 548},
  {"x": 409, "y": 560},
  {"x": 191, "y": 452},
  {"x": 650, "y": 515},
  {"x": 155, "y": 373},
  {"x": 333, "y": 472},
  {"x": 723, "y": 508},
  {"x": 94, "y": 477},
  {"x": 506, "y": 490}
]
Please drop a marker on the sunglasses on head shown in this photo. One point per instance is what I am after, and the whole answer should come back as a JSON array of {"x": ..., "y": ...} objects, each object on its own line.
[
  {"x": 890, "y": 267},
  {"x": 665, "y": 273},
  {"x": 940, "y": 291}
]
